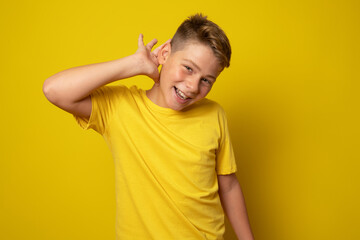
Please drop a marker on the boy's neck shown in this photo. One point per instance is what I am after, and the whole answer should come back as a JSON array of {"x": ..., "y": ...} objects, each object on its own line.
[{"x": 154, "y": 93}]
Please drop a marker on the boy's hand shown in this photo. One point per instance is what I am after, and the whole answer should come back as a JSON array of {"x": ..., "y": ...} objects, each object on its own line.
[{"x": 149, "y": 60}]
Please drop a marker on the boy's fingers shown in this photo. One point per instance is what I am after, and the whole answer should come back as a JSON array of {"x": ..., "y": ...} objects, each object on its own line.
[
  {"x": 151, "y": 44},
  {"x": 140, "y": 41}
]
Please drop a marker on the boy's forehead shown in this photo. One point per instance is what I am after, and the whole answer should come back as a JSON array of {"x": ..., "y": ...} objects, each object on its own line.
[{"x": 200, "y": 55}]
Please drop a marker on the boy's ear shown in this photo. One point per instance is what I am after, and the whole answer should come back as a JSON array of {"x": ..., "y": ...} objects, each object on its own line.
[{"x": 164, "y": 53}]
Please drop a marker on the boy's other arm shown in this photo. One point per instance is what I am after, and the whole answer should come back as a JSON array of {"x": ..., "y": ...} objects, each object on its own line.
[
  {"x": 233, "y": 203},
  {"x": 70, "y": 89}
]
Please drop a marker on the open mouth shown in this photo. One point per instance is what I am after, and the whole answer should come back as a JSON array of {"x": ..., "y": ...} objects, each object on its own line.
[{"x": 180, "y": 94}]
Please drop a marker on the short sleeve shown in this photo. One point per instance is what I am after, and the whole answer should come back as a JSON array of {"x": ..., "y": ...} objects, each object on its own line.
[
  {"x": 104, "y": 102},
  {"x": 225, "y": 158}
]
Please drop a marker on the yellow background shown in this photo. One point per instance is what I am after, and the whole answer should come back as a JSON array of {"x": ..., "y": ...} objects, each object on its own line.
[{"x": 291, "y": 95}]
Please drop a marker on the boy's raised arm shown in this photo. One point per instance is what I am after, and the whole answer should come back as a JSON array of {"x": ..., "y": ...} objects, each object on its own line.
[{"x": 70, "y": 89}]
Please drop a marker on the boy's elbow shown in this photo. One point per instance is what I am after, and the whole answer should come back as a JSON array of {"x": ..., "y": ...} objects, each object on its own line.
[
  {"x": 54, "y": 93},
  {"x": 49, "y": 91}
]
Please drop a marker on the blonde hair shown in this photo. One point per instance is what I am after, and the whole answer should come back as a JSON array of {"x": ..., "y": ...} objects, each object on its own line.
[{"x": 199, "y": 28}]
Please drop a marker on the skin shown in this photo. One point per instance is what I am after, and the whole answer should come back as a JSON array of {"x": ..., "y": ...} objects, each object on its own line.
[
  {"x": 192, "y": 69},
  {"x": 233, "y": 203}
]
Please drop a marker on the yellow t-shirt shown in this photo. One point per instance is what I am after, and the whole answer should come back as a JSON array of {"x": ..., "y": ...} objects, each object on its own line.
[{"x": 166, "y": 164}]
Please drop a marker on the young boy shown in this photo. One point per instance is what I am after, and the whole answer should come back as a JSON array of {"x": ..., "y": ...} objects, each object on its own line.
[{"x": 174, "y": 163}]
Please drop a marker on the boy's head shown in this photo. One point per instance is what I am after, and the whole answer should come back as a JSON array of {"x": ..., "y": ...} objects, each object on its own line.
[
  {"x": 191, "y": 62},
  {"x": 198, "y": 28}
]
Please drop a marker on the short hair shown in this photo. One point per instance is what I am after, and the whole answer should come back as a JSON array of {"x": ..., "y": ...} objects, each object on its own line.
[{"x": 198, "y": 28}]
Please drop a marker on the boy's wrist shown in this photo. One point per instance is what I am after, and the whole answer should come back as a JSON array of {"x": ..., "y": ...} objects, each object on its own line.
[
  {"x": 138, "y": 64},
  {"x": 128, "y": 66}
]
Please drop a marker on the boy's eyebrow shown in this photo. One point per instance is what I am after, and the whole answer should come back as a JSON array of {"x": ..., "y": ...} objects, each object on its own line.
[{"x": 198, "y": 68}]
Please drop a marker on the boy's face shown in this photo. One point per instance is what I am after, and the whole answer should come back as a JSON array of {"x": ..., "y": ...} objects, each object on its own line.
[{"x": 186, "y": 77}]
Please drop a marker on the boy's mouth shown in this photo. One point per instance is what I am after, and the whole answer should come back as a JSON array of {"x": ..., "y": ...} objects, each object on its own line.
[{"x": 180, "y": 94}]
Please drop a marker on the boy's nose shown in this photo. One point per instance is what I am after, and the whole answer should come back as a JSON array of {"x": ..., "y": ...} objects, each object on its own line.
[{"x": 192, "y": 86}]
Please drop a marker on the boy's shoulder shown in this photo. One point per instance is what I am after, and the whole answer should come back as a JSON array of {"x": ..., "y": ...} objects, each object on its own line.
[
  {"x": 209, "y": 103},
  {"x": 117, "y": 90},
  {"x": 208, "y": 106}
]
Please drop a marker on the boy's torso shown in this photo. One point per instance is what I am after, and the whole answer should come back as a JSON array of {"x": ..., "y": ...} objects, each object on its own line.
[{"x": 165, "y": 167}]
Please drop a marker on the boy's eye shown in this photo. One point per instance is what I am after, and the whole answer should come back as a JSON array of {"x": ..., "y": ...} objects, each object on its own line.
[
  {"x": 188, "y": 68},
  {"x": 206, "y": 81}
]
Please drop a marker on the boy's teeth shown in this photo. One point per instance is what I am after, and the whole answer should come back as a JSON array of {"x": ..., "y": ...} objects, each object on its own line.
[{"x": 180, "y": 94}]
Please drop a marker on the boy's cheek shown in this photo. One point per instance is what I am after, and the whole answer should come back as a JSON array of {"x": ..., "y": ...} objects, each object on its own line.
[
  {"x": 179, "y": 74},
  {"x": 174, "y": 75},
  {"x": 205, "y": 91}
]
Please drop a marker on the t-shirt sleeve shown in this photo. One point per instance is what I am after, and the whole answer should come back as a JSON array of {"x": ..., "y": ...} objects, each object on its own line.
[
  {"x": 225, "y": 158},
  {"x": 104, "y": 102}
]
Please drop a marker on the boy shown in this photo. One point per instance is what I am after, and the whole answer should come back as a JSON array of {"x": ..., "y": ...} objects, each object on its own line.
[{"x": 174, "y": 163}]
